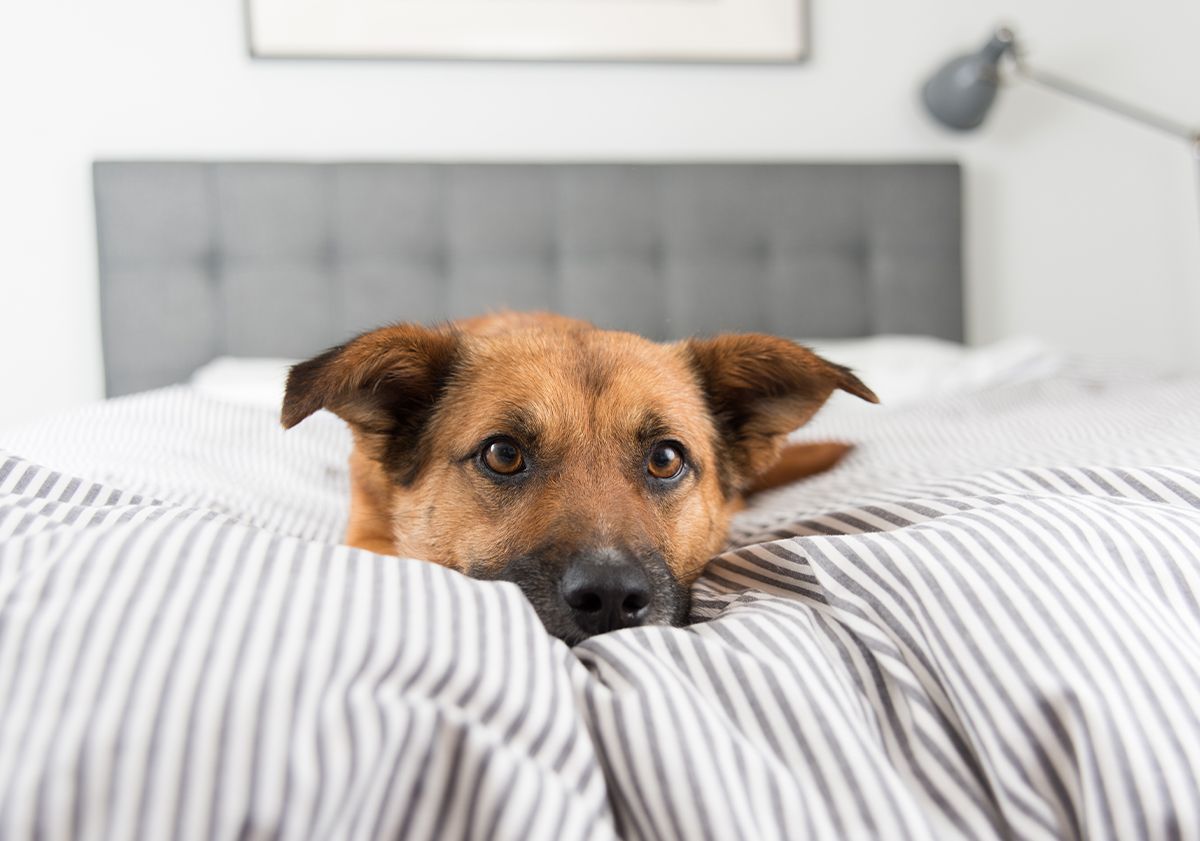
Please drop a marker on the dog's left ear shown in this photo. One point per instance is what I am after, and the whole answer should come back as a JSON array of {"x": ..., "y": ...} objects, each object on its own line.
[
  {"x": 384, "y": 383},
  {"x": 759, "y": 388}
]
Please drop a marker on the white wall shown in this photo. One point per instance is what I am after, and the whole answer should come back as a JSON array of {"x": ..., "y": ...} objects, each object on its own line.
[{"x": 1082, "y": 229}]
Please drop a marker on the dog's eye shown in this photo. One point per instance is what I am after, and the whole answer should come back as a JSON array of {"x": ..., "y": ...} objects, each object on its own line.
[
  {"x": 665, "y": 461},
  {"x": 504, "y": 457}
]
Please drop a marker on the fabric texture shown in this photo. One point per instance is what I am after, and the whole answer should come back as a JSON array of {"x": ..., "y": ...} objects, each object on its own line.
[{"x": 983, "y": 625}]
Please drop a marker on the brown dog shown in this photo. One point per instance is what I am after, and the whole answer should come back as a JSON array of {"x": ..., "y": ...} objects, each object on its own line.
[{"x": 595, "y": 469}]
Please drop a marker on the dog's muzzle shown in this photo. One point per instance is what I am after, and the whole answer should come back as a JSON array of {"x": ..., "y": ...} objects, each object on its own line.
[{"x": 595, "y": 591}]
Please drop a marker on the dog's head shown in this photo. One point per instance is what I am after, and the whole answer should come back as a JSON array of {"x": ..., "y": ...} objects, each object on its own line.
[{"x": 597, "y": 470}]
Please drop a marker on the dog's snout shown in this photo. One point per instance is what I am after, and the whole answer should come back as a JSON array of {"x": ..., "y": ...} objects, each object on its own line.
[{"x": 605, "y": 594}]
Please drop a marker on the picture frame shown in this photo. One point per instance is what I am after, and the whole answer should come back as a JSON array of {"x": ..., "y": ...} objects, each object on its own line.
[{"x": 769, "y": 31}]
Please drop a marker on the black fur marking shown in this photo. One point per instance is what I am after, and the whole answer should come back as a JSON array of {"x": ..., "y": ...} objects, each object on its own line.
[
  {"x": 539, "y": 575},
  {"x": 409, "y": 446},
  {"x": 595, "y": 372},
  {"x": 652, "y": 429},
  {"x": 519, "y": 425},
  {"x": 726, "y": 426}
]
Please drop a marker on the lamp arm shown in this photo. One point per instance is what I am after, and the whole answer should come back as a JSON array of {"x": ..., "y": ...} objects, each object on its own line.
[
  {"x": 1074, "y": 90},
  {"x": 1007, "y": 43}
]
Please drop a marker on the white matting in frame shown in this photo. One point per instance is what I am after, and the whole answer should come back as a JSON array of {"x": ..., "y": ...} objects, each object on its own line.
[{"x": 583, "y": 30}]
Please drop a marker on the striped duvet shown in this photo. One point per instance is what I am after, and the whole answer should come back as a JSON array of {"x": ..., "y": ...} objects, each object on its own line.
[{"x": 986, "y": 624}]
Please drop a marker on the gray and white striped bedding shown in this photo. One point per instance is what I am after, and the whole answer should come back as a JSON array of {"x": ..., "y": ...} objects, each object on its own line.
[{"x": 986, "y": 624}]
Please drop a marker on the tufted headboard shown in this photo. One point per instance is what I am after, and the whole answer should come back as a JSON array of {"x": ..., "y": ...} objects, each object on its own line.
[{"x": 205, "y": 259}]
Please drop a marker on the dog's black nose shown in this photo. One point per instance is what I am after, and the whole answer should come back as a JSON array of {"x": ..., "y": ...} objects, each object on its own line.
[{"x": 604, "y": 594}]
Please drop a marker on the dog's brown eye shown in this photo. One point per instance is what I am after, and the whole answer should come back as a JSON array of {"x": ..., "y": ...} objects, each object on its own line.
[
  {"x": 503, "y": 457},
  {"x": 666, "y": 460}
]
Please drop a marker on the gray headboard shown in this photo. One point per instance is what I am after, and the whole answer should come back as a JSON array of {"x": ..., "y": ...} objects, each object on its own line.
[{"x": 205, "y": 259}]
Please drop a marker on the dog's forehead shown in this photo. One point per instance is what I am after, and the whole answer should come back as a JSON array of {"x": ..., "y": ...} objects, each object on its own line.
[
  {"x": 594, "y": 360},
  {"x": 591, "y": 378}
]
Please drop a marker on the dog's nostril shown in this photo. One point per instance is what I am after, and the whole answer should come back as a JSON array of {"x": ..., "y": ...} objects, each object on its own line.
[
  {"x": 587, "y": 602},
  {"x": 635, "y": 602}
]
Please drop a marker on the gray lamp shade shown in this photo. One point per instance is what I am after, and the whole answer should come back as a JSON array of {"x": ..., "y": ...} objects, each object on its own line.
[{"x": 960, "y": 94}]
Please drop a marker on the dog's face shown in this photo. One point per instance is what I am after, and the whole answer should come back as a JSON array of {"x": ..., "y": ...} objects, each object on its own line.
[{"x": 596, "y": 470}]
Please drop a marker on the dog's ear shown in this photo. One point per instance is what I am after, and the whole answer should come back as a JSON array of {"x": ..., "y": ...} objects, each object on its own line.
[
  {"x": 759, "y": 388},
  {"x": 384, "y": 383}
]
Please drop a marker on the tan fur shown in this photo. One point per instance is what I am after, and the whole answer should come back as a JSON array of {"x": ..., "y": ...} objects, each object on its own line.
[
  {"x": 586, "y": 394},
  {"x": 370, "y": 525},
  {"x": 799, "y": 461}
]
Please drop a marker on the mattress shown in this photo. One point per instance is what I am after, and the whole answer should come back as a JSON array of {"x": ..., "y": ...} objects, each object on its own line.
[{"x": 983, "y": 624}]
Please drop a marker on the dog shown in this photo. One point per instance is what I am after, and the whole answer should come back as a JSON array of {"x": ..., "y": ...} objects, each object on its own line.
[{"x": 595, "y": 469}]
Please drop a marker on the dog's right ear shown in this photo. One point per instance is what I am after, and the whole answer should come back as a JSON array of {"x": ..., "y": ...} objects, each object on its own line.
[
  {"x": 384, "y": 383},
  {"x": 759, "y": 389}
]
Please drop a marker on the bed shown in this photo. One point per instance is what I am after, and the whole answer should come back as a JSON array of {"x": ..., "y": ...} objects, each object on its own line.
[{"x": 984, "y": 624}]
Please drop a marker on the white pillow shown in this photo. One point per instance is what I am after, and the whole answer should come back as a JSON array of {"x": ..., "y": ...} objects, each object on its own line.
[
  {"x": 248, "y": 382},
  {"x": 902, "y": 370}
]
